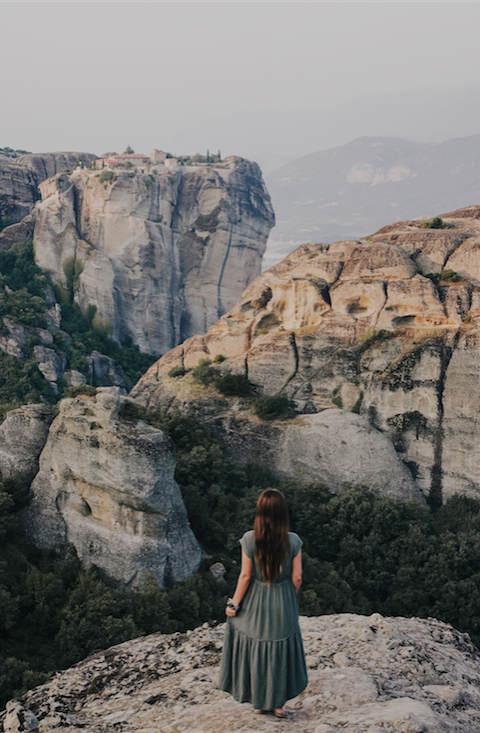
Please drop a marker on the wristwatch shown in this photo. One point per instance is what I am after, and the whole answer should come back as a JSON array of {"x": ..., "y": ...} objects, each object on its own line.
[{"x": 230, "y": 604}]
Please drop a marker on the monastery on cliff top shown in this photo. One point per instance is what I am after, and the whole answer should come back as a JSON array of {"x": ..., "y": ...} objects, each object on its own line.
[{"x": 138, "y": 160}]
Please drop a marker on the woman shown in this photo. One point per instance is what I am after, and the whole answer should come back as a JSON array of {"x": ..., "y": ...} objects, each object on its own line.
[{"x": 263, "y": 661}]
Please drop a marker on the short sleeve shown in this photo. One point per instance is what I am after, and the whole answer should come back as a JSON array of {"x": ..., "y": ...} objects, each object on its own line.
[
  {"x": 247, "y": 544},
  {"x": 295, "y": 543}
]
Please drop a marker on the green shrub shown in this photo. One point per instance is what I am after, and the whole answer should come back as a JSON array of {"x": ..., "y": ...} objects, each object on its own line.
[
  {"x": 21, "y": 382},
  {"x": 273, "y": 407},
  {"x": 337, "y": 397},
  {"x": 131, "y": 412},
  {"x": 106, "y": 176},
  {"x": 436, "y": 223},
  {"x": 449, "y": 276},
  {"x": 358, "y": 404},
  {"x": 6, "y": 407},
  {"x": 233, "y": 385},
  {"x": 81, "y": 389},
  {"x": 228, "y": 384},
  {"x": 177, "y": 371},
  {"x": 311, "y": 255},
  {"x": 203, "y": 374},
  {"x": 219, "y": 358},
  {"x": 95, "y": 616}
]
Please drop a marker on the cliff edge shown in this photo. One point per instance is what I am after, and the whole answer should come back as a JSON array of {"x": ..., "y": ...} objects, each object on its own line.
[{"x": 394, "y": 675}]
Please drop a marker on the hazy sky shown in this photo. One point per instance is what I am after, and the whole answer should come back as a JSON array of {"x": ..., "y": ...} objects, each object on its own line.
[{"x": 97, "y": 76}]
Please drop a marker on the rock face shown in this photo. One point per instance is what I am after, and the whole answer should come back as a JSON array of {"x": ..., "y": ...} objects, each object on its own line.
[
  {"x": 107, "y": 486},
  {"x": 160, "y": 257},
  {"x": 19, "y": 181},
  {"x": 23, "y": 435},
  {"x": 365, "y": 674},
  {"x": 379, "y": 327}
]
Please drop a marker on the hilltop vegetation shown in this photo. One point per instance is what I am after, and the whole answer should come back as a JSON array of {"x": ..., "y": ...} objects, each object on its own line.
[{"x": 11, "y": 153}]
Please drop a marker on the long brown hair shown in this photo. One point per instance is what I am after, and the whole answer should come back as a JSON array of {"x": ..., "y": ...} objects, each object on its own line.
[{"x": 271, "y": 533}]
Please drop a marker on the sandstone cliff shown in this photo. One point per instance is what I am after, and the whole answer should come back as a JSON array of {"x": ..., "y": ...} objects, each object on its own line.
[
  {"x": 160, "y": 257},
  {"x": 387, "y": 326},
  {"x": 375, "y": 674},
  {"x": 107, "y": 486}
]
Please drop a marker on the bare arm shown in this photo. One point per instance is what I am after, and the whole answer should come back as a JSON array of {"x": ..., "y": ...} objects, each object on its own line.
[
  {"x": 242, "y": 583},
  {"x": 297, "y": 571}
]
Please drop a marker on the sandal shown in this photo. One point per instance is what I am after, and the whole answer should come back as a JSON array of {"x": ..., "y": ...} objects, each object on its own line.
[{"x": 279, "y": 713}]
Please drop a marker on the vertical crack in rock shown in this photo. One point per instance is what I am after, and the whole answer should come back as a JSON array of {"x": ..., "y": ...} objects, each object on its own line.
[
  {"x": 382, "y": 309},
  {"x": 435, "y": 497},
  {"x": 221, "y": 309},
  {"x": 295, "y": 353}
]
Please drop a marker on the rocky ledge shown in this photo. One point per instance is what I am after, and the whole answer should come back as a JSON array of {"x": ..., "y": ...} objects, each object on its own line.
[{"x": 375, "y": 675}]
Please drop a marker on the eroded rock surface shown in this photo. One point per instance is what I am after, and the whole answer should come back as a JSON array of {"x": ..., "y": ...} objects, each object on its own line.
[
  {"x": 107, "y": 486},
  {"x": 383, "y": 327},
  {"x": 161, "y": 257},
  {"x": 375, "y": 675}
]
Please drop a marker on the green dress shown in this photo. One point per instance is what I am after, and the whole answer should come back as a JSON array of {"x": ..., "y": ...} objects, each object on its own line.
[{"x": 263, "y": 661}]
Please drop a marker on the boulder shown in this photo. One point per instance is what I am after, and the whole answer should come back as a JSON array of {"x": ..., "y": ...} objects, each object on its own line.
[
  {"x": 23, "y": 435},
  {"x": 74, "y": 378},
  {"x": 107, "y": 486},
  {"x": 50, "y": 362}
]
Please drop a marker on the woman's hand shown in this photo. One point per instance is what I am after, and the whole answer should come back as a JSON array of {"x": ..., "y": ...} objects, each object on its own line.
[{"x": 230, "y": 612}]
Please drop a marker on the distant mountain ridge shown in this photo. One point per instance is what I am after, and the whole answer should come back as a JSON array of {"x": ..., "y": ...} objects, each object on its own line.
[
  {"x": 422, "y": 114},
  {"x": 349, "y": 191}
]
